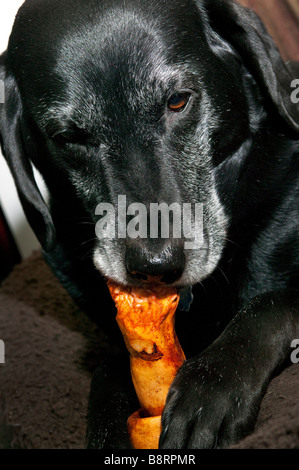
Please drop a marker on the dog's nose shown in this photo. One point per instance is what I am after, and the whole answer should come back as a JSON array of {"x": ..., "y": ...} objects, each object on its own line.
[{"x": 165, "y": 267}]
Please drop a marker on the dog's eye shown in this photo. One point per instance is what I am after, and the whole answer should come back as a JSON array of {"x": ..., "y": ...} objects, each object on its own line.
[
  {"x": 65, "y": 137},
  {"x": 178, "y": 101}
]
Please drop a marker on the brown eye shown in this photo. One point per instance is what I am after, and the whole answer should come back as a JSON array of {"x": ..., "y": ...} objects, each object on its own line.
[{"x": 178, "y": 101}]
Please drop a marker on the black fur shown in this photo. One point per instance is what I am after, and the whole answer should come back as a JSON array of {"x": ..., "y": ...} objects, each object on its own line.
[{"x": 87, "y": 85}]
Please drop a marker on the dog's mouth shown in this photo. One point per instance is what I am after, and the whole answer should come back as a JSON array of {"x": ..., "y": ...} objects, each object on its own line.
[
  {"x": 172, "y": 266},
  {"x": 151, "y": 282},
  {"x": 162, "y": 279},
  {"x": 147, "y": 279}
]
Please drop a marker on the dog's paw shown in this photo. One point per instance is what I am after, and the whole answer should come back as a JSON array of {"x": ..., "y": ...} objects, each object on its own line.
[{"x": 209, "y": 405}]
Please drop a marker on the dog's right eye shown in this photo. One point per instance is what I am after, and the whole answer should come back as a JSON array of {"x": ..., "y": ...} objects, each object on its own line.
[{"x": 178, "y": 101}]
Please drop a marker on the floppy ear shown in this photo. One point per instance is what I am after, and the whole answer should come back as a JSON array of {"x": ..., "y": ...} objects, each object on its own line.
[
  {"x": 246, "y": 33},
  {"x": 34, "y": 206}
]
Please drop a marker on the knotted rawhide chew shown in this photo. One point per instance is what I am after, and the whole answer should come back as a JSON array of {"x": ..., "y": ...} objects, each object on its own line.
[{"x": 146, "y": 320}]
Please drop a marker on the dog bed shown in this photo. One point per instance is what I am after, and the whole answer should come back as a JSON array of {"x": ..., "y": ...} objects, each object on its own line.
[{"x": 51, "y": 349}]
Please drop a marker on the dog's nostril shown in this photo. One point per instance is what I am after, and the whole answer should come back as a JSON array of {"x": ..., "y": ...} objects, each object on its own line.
[
  {"x": 139, "y": 276},
  {"x": 166, "y": 268}
]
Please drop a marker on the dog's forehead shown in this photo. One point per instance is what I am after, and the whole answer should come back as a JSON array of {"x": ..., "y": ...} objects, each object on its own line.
[
  {"x": 115, "y": 46},
  {"x": 55, "y": 42},
  {"x": 122, "y": 68},
  {"x": 119, "y": 55}
]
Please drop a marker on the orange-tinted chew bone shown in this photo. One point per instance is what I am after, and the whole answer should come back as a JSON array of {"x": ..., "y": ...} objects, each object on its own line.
[{"x": 146, "y": 320}]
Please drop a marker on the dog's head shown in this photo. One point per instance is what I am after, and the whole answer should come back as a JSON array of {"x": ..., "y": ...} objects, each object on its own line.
[{"x": 134, "y": 104}]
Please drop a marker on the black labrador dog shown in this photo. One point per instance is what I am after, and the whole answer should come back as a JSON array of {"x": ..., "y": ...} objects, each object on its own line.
[{"x": 164, "y": 101}]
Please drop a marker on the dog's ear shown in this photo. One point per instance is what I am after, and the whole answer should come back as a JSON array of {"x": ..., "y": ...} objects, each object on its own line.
[
  {"x": 11, "y": 139},
  {"x": 245, "y": 32}
]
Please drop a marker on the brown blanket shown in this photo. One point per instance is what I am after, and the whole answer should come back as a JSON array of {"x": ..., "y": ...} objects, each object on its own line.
[{"x": 51, "y": 350}]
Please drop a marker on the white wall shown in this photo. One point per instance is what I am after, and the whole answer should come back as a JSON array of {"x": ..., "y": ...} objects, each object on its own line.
[{"x": 24, "y": 237}]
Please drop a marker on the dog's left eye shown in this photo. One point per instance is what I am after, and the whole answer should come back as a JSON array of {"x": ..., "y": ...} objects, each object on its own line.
[
  {"x": 65, "y": 137},
  {"x": 178, "y": 102}
]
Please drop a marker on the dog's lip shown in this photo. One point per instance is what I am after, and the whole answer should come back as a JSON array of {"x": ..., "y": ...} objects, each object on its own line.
[
  {"x": 149, "y": 281},
  {"x": 152, "y": 283}
]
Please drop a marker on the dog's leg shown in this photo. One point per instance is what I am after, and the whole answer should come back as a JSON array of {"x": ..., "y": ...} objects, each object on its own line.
[
  {"x": 214, "y": 399},
  {"x": 112, "y": 400}
]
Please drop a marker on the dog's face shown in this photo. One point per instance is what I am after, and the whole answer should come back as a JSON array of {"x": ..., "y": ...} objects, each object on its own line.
[{"x": 139, "y": 99}]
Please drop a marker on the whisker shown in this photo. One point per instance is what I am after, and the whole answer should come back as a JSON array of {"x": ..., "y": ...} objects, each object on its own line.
[
  {"x": 88, "y": 241},
  {"x": 86, "y": 223},
  {"x": 203, "y": 287},
  {"x": 224, "y": 275},
  {"x": 232, "y": 242},
  {"x": 79, "y": 247},
  {"x": 217, "y": 284}
]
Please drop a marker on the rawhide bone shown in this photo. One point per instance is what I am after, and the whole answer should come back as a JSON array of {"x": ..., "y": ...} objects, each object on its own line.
[{"x": 146, "y": 320}]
